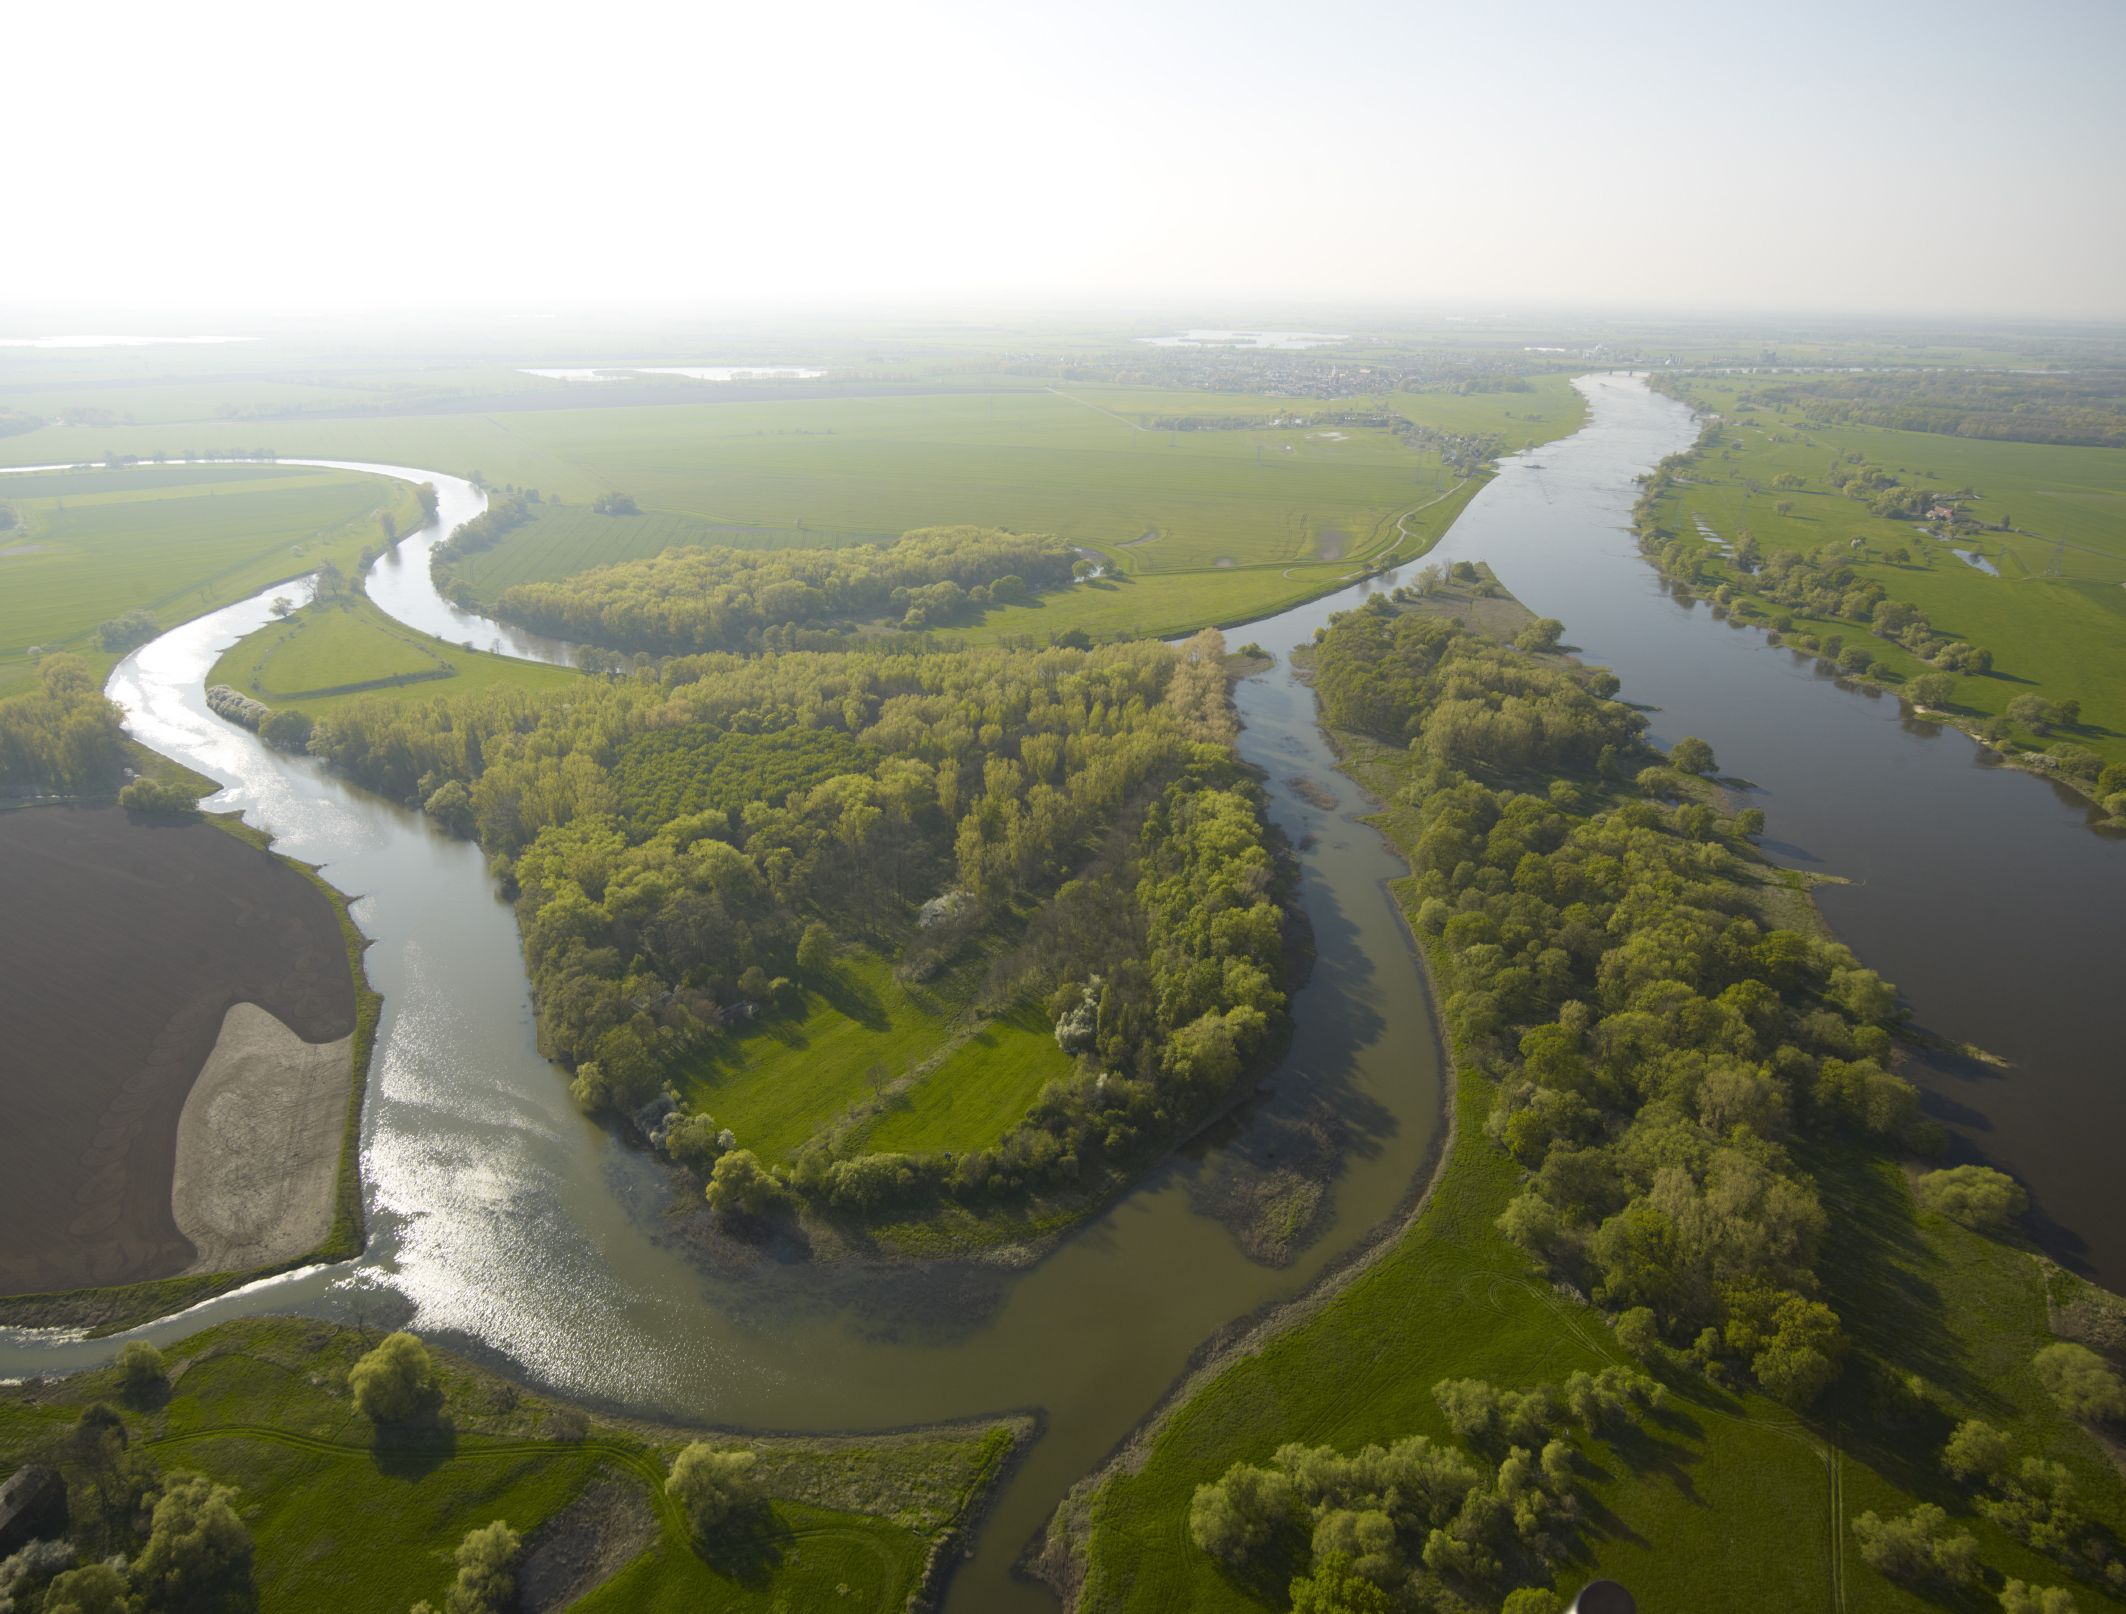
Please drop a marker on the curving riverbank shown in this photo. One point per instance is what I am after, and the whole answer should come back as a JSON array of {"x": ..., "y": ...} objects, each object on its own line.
[
  {"x": 505, "y": 1222},
  {"x": 502, "y": 1221}
]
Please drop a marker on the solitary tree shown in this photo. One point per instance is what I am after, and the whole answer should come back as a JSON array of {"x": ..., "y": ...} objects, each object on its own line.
[
  {"x": 1977, "y": 1196},
  {"x": 1541, "y": 634},
  {"x": 713, "y": 1488},
  {"x": 2080, "y": 1381},
  {"x": 141, "y": 1370},
  {"x": 487, "y": 1571},
  {"x": 741, "y": 1186},
  {"x": 1692, "y": 755},
  {"x": 394, "y": 1382}
]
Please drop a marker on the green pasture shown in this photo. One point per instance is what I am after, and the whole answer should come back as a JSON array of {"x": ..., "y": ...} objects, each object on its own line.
[
  {"x": 903, "y": 1061},
  {"x": 1081, "y": 462},
  {"x": 976, "y": 1093},
  {"x": 783, "y": 1083},
  {"x": 176, "y": 541},
  {"x": 348, "y": 1518},
  {"x": 1721, "y": 1502},
  {"x": 2058, "y": 636},
  {"x": 336, "y": 644},
  {"x": 306, "y": 661}
]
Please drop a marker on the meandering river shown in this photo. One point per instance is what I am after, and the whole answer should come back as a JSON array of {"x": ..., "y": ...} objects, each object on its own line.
[{"x": 504, "y": 1222}]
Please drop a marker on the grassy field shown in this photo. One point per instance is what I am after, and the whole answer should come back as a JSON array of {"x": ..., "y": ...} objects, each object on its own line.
[
  {"x": 976, "y": 1093},
  {"x": 2058, "y": 636},
  {"x": 880, "y": 1052},
  {"x": 337, "y": 644},
  {"x": 307, "y": 661},
  {"x": 1717, "y": 1495},
  {"x": 1214, "y": 525},
  {"x": 344, "y": 1518},
  {"x": 173, "y": 540}
]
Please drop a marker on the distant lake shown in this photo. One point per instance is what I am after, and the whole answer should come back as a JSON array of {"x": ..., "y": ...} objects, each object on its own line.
[
  {"x": 693, "y": 372},
  {"x": 1281, "y": 339}
]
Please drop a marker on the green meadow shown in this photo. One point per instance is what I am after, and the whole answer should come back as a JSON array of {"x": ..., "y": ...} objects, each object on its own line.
[
  {"x": 1211, "y": 525},
  {"x": 349, "y": 1518},
  {"x": 2060, "y": 636},
  {"x": 173, "y": 540},
  {"x": 327, "y": 654},
  {"x": 337, "y": 644},
  {"x": 975, "y": 1092},
  {"x": 904, "y": 1063},
  {"x": 1720, "y": 1501}
]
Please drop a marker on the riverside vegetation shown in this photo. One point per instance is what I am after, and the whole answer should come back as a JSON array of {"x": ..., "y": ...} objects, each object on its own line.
[
  {"x": 885, "y": 859},
  {"x": 282, "y": 1465},
  {"x": 1843, "y": 514},
  {"x": 97, "y": 560},
  {"x": 720, "y": 598},
  {"x": 1620, "y": 1326}
]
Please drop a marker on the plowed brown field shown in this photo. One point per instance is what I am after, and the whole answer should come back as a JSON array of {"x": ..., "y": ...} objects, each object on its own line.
[{"x": 122, "y": 945}]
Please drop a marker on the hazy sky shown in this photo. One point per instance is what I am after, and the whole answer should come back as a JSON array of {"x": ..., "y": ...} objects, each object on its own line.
[{"x": 1927, "y": 157}]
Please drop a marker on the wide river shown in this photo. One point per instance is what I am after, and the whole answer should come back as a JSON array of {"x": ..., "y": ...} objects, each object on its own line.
[{"x": 503, "y": 1221}]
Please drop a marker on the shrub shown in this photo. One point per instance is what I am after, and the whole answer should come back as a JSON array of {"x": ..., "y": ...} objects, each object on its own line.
[
  {"x": 487, "y": 1571},
  {"x": 712, "y": 1487},
  {"x": 2081, "y": 1381},
  {"x": 1692, "y": 755},
  {"x": 741, "y": 1186},
  {"x": 394, "y": 1382},
  {"x": 1919, "y": 1548},
  {"x": 91, "y": 1589},
  {"x": 286, "y": 730},
  {"x": 1541, "y": 634},
  {"x": 1976, "y": 1196},
  {"x": 162, "y": 800},
  {"x": 2020, "y": 1597},
  {"x": 197, "y": 1547},
  {"x": 141, "y": 1370},
  {"x": 1976, "y": 1451},
  {"x": 1243, "y": 1514}
]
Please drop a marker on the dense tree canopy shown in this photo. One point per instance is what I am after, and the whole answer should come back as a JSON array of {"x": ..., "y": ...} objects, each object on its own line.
[
  {"x": 672, "y": 838},
  {"x": 714, "y": 598},
  {"x": 1657, "y": 1046},
  {"x": 64, "y": 738}
]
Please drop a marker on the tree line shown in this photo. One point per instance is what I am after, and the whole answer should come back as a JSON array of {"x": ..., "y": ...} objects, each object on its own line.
[
  {"x": 1423, "y": 1524},
  {"x": 2085, "y": 410},
  {"x": 64, "y": 737},
  {"x": 691, "y": 599}
]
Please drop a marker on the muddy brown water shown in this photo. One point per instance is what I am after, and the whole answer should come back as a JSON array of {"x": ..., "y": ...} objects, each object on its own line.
[{"x": 505, "y": 1223}]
